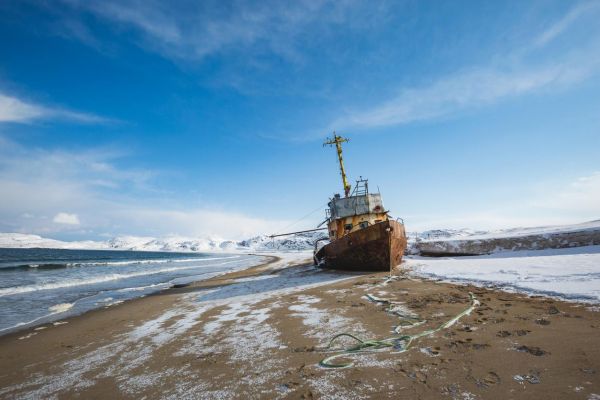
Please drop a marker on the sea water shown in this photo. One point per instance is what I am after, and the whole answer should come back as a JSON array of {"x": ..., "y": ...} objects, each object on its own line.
[{"x": 44, "y": 285}]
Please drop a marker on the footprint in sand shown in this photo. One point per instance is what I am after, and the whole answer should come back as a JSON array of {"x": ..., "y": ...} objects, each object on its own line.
[
  {"x": 490, "y": 379},
  {"x": 533, "y": 350}
]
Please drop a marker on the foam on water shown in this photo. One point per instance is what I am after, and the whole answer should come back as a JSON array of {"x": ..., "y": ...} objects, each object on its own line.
[
  {"x": 66, "y": 282},
  {"x": 90, "y": 281},
  {"x": 58, "y": 265},
  {"x": 59, "y": 308}
]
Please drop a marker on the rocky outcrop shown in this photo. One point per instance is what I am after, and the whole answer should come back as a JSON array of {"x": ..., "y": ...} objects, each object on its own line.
[{"x": 479, "y": 246}]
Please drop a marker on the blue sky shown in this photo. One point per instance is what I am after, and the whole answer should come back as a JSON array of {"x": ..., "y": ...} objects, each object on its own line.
[{"x": 207, "y": 118}]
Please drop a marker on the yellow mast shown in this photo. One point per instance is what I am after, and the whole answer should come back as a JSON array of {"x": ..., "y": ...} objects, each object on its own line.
[{"x": 338, "y": 140}]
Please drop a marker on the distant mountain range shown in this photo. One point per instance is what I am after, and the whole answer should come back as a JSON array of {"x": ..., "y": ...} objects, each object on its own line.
[{"x": 304, "y": 241}]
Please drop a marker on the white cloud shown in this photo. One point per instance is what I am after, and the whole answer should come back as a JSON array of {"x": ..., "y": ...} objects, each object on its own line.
[
  {"x": 550, "y": 203},
  {"x": 37, "y": 183},
  {"x": 65, "y": 218},
  {"x": 581, "y": 196},
  {"x": 13, "y": 109}
]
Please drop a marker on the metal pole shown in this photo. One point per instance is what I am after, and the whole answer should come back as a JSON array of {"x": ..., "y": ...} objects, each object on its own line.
[
  {"x": 293, "y": 233},
  {"x": 338, "y": 140}
]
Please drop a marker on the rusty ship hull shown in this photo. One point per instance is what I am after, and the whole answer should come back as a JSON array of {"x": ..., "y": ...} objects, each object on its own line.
[{"x": 378, "y": 247}]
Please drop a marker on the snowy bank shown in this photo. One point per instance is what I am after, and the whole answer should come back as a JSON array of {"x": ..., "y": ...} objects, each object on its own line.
[
  {"x": 440, "y": 243},
  {"x": 570, "y": 274}
]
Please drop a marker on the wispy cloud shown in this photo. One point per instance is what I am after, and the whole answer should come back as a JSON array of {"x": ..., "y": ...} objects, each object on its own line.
[
  {"x": 560, "y": 26},
  {"x": 469, "y": 89},
  {"x": 196, "y": 30},
  {"x": 13, "y": 109},
  {"x": 581, "y": 196},
  {"x": 479, "y": 86}
]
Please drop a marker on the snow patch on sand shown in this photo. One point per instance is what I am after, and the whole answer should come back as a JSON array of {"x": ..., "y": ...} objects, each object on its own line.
[{"x": 322, "y": 324}]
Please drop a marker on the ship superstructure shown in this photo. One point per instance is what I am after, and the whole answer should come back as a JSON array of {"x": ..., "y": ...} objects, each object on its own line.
[{"x": 361, "y": 233}]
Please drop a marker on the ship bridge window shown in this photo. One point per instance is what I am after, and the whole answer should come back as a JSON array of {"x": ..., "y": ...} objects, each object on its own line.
[
  {"x": 348, "y": 227},
  {"x": 364, "y": 224}
]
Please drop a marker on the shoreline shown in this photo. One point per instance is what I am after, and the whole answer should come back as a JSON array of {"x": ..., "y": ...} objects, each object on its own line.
[
  {"x": 260, "y": 333},
  {"x": 47, "y": 320}
]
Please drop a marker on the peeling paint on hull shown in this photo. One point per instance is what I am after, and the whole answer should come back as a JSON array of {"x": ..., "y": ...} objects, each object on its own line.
[{"x": 374, "y": 248}]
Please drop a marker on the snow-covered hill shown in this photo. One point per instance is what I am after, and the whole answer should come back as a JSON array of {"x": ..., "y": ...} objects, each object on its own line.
[
  {"x": 440, "y": 240},
  {"x": 454, "y": 234},
  {"x": 170, "y": 244},
  {"x": 180, "y": 244},
  {"x": 438, "y": 234},
  {"x": 302, "y": 241},
  {"x": 536, "y": 238},
  {"x": 20, "y": 240}
]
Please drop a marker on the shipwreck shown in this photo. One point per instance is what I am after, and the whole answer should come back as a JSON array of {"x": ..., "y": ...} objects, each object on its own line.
[{"x": 362, "y": 235}]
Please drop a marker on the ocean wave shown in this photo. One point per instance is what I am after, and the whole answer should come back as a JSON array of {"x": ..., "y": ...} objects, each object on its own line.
[
  {"x": 100, "y": 279},
  {"x": 25, "y": 267},
  {"x": 56, "y": 309},
  {"x": 50, "y": 266}
]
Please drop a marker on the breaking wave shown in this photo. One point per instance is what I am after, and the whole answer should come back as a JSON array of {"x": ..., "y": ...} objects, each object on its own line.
[
  {"x": 49, "y": 266},
  {"x": 101, "y": 279}
]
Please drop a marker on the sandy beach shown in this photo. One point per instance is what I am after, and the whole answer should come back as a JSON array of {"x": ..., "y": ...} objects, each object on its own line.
[{"x": 261, "y": 333}]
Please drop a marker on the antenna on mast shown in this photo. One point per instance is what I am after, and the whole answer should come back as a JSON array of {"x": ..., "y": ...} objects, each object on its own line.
[{"x": 338, "y": 140}]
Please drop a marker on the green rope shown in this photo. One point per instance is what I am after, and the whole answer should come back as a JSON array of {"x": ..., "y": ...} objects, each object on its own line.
[
  {"x": 399, "y": 343},
  {"x": 406, "y": 320}
]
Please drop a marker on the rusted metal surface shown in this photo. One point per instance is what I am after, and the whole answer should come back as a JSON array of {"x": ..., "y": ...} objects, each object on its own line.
[
  {"x": 377, "y": 247},
  {"x": 337, "y": 227}
]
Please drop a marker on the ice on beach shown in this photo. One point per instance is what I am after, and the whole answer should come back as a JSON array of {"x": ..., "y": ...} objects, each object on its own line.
[{"x": 570, "y": 274}]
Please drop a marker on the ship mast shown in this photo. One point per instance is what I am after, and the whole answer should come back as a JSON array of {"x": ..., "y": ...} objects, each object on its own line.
[{"x": 338, "y": 140}]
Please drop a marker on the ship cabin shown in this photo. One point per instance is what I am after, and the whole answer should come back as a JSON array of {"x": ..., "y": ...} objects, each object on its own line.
[{"x": 357, "y": 211}]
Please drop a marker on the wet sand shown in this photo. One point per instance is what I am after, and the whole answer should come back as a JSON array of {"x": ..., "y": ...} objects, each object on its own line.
[{"x": 261, "y": 333}]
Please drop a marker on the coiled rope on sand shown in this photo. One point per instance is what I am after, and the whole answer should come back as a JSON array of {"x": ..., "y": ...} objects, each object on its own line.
[{"x": 399, "y": 343}]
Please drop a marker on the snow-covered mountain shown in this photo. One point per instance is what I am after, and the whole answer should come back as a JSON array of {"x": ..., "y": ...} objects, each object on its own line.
[
  {"x": 301, "y": 241},
  {"x": 470, "y": 234},
  {"x": 443, "y": 238},
  {"x": 172, "y": 243},
  {"x": 21, "y": 240},
  {"x": 536, "y": 238},
  {"x": 438, "y": 234}
]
